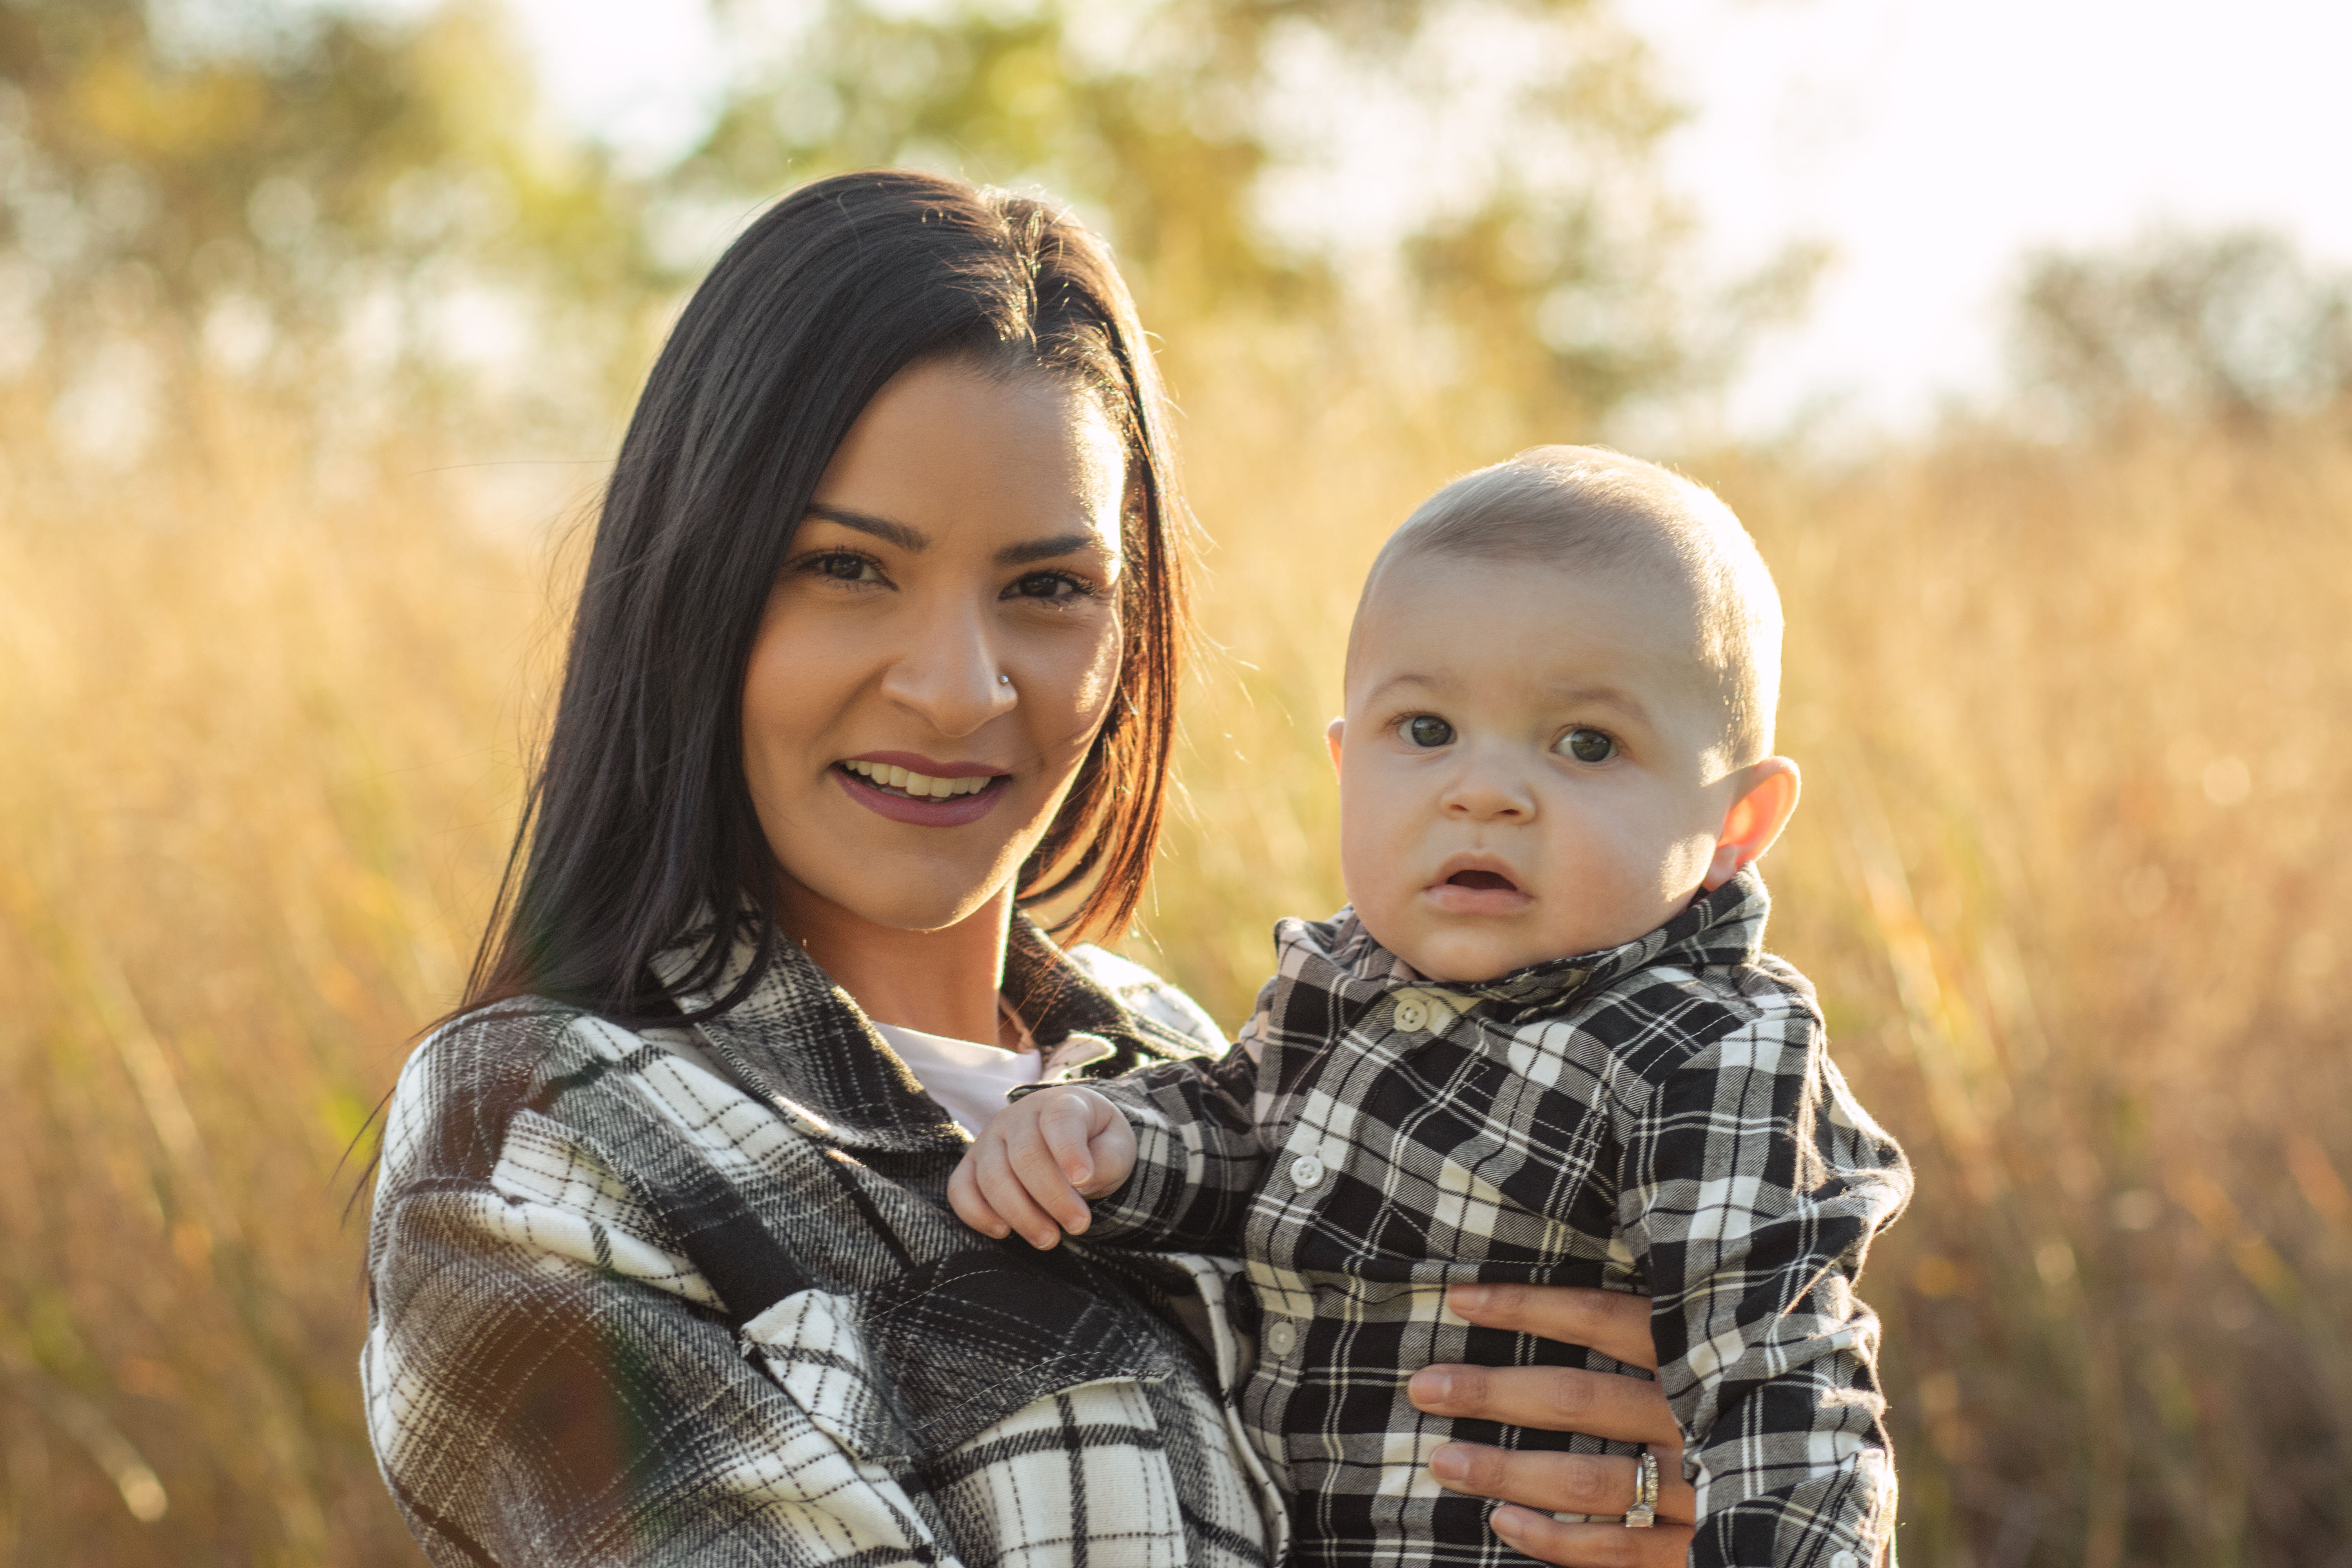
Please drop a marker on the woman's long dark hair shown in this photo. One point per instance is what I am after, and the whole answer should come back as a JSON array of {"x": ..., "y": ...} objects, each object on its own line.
[{"x": 639, "y": 821}]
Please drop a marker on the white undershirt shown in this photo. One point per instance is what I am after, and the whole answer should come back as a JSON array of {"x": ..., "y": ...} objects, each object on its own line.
[{"x": 966, "y": 1078}]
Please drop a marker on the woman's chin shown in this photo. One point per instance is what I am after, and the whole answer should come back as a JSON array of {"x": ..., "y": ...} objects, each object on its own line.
[
  {"x": 845, "y": 854},
  {"x": 888, "y": 888}
]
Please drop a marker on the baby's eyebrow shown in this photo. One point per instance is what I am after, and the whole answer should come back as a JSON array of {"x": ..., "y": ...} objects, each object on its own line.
[
  {"x": 1615, "y": 697},
  {"x": 1410, "y": 677}
]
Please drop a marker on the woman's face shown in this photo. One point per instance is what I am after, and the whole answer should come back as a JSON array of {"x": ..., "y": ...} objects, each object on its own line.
[{"x": 939, "y": 648}]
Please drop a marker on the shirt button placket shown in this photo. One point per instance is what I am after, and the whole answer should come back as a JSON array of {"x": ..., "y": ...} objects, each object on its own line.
[{"x": 1306, "y": 1173}]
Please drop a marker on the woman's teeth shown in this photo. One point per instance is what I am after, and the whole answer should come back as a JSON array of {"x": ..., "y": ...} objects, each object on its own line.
[{"x": 920, "y": 785}]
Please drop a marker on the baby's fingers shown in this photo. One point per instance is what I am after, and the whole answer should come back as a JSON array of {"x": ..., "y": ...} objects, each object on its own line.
[
  {"x": 1066, "y": 1124},
  {"x": 1004, "y": 1191},
  {"x": 1039, "y": 1163},
  {"x": 1113, "y": 1150},
  {"x": 974, "y": 1210}
]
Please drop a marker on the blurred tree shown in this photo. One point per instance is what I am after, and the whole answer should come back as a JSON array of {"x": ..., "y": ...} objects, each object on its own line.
[
  {"x": 291, "y": 195},
  {"x": 1461, "y": 192},
  {"x": 2236, "y": 326},
  {"x": 1481, "y": 171}
]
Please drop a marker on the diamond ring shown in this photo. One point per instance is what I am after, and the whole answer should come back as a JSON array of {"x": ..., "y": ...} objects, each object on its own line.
[{"x": 1645, "y": 1511}]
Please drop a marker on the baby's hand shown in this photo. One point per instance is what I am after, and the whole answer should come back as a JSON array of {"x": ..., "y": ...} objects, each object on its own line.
[{"x": 1038, "y": 1161}]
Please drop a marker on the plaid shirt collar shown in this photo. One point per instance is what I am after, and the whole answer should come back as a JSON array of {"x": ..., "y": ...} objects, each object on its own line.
[
  {"x": 806, "y": 1046},
  {"x": 1724, "y": 927}
]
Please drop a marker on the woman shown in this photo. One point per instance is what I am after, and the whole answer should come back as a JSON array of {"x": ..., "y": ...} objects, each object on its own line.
[{"x": 877, "y": 647}]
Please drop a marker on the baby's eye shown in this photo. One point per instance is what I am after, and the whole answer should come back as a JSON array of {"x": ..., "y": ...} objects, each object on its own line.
[
  {"x": 1587, "y": 745},
  {"x": 1428, "y": 729}
]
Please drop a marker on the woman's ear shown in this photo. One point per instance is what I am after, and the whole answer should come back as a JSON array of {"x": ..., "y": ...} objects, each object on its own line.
[
  {"x": 1768, "y": 798},
  {"x": 1332, "y": 733}
]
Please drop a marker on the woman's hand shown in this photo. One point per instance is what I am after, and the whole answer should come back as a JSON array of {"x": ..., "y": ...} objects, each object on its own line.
[
  {"x": 1037, "y": 1161},
  {"x": 1559, "y": 1399}
]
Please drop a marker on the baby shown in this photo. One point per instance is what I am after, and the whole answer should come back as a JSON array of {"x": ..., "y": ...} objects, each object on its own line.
[{"x": 1543, "y": 1044}]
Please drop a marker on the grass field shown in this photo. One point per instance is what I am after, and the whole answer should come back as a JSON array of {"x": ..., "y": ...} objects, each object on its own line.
[{"x": 2068, "y": 719}]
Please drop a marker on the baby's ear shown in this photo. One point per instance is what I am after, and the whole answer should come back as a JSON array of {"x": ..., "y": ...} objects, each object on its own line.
[
  {"x": 1767, "y": 799},
  {"x": 1331, "y": 736}
]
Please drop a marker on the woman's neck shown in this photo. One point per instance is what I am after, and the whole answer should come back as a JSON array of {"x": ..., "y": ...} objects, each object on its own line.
[{"x": 941, "y": 982}]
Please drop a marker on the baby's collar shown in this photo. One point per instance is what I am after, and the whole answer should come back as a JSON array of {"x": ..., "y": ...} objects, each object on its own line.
[{"x": 1726, "y": 926}]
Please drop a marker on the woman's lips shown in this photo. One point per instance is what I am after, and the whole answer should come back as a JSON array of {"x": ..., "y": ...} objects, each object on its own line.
[
  {"x": 953, "y": 811},
  {"x": 1478, "y": 892}
]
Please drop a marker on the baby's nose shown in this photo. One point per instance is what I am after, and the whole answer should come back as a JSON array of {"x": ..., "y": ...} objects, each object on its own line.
[{"x": 1488, "y": 793}]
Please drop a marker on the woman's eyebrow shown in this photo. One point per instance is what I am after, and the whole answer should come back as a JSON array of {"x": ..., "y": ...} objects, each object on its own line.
[
  {"x": 910, "y": 540},
  {"x": 1046, "y": 549}
]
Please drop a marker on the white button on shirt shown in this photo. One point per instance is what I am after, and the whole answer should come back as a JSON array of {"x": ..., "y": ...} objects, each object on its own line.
[
  {"x": 1306, "y": 1171},
  {"x": 1411, "y": 1016},
  {"x": 1845, "y": 1559},
  {"x": 1281, "y": 1339}
]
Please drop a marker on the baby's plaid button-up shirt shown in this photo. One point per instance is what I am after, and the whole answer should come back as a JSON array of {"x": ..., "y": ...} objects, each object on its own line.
[{"x": 1661, "y": 1118}]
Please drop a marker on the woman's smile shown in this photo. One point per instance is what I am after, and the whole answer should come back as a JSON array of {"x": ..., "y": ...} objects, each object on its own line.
[{"x": 907, "y": 787}]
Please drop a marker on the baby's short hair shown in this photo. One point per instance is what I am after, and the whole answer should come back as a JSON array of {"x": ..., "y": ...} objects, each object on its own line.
[{"x": 1589, "y": 509}]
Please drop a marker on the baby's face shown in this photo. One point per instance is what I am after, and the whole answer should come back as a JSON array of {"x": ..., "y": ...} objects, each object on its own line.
[{"x": 1529, "y": 764}]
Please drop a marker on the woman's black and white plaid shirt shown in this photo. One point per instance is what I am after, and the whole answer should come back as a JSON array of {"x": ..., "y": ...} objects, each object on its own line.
[
  {"x": 673, "y": 1297},
  {"x": 1661, "y": 1118}
]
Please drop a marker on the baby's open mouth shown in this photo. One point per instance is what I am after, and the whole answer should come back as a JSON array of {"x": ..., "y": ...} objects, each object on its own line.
[
  {"x": 913, "y": 785},
  {"x": 1485, "y": 881}
]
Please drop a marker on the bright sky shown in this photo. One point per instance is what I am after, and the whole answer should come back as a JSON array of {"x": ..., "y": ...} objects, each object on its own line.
[{"x": 1930, "y": 143}]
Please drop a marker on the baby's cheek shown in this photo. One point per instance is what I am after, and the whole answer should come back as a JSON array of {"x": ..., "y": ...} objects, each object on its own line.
[
  {"x": 1684, "y": 868},
  {"x": 1373, "y": 867}
]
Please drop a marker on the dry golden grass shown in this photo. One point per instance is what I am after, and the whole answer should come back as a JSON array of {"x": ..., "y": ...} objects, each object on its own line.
[
  {"x": 2060, "y": 874},
  {"x": 261, "y": 768}
]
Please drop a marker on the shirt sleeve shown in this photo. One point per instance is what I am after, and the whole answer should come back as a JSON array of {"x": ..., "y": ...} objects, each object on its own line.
[
  {"x": 1198, "y": 1155},
  {"x": 1751, "y": 1185},
  {"x": 549, "y": 1382}
]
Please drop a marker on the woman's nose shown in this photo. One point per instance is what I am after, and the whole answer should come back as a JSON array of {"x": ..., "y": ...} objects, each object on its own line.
[{"x": 949, "y": 672}]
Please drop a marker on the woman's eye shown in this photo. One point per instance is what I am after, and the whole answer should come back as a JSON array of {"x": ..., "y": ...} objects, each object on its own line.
[
  {"x": 1587, "y": 746},
  {"x": 1046, "y": 586},
  {"x": 1429, "y": 731},
  {"x": 845, "y": 568}
]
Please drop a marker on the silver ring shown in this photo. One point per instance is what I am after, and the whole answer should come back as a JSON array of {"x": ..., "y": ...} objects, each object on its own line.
[{"x": 1645, "y": 1511}]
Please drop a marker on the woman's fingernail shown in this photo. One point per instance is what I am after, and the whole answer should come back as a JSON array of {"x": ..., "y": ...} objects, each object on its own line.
[
  {"x": 1507, "y": 1522},
  {"x": 1450, "y": 1464},
  {"x": 1432, "y": 1385},
  {"x": 1470, "y": 1298}
]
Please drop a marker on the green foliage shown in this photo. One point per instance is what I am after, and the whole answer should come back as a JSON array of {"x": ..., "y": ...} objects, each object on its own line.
[
  {"x": 304, "y": 199},
  {"x": 1514, "y": 238},
  {"x": 1460, "y": 194}
]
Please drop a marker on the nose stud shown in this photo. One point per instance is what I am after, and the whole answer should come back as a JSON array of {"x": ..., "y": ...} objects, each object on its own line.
[{"x": 1004, "y": 680}]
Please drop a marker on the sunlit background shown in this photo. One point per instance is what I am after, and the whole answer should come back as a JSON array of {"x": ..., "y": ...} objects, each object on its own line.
[{"x": 2020, "y": 334}]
